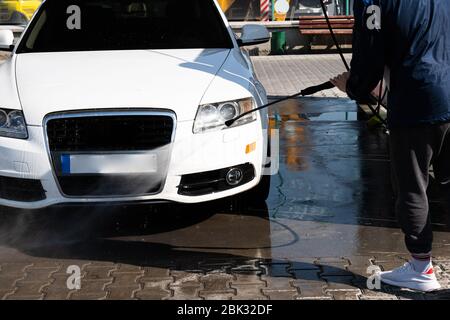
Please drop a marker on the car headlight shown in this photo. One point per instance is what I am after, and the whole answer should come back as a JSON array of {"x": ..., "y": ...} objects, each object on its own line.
[
  {"x": 12, "y": 124},
  {"x": 212, "y": 117}
]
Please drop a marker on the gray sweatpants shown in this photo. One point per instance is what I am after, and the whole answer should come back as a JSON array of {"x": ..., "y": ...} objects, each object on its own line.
[{"x": 413, "y": 151}]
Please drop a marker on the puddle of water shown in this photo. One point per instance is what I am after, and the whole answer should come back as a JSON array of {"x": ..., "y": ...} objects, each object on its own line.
[
  {"x": 325, "y": 116},
  {"x": 330, "y": 116}
]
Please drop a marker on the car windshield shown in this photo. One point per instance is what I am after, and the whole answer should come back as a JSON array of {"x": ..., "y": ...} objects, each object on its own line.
[{"x": 88, "y": 25}]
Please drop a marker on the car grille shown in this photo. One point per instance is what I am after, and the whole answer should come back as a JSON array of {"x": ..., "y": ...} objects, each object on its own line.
[{"x": 109, "y": 133}]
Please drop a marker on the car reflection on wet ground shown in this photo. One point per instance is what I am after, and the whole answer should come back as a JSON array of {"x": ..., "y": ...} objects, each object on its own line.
[{"x": 328, "y": 218}]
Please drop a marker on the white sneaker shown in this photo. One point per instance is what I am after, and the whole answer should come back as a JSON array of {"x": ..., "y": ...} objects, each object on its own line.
[{"x": 407, "y": 277}]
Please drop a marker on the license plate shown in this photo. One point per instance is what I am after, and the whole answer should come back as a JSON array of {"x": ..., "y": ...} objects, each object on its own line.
[{"x": 109, "y": 163}]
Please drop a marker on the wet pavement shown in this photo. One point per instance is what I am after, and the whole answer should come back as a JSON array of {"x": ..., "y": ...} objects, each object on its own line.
[{"x": 328, "y": 218}]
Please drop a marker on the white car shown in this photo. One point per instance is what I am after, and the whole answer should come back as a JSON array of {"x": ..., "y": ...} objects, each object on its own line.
[{"x": 125, "y": 101}]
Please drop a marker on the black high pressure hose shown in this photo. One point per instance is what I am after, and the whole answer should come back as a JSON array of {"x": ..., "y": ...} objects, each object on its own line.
[{"x": 318, "y": 88}]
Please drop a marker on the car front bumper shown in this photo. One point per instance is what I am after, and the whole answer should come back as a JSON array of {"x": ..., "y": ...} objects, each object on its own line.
[{"x": 191, "y": 153}]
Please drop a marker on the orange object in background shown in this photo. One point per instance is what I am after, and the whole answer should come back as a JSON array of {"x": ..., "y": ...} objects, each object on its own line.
[
  {"x": 225, "y": 4},
  {"x": 17, "y": 11},
  {"x": 281, "y": 9}
]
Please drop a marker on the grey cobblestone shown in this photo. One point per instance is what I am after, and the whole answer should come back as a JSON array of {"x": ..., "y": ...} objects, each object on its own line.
[
  {"x": 91, "y": 286},
  {"x": 14, "y": 269},
  {"x": 343, "y": 283},
  {"x": 358, "y": 265},
  {"x": 310, "y": 288},
  {"x": 276, "y": 270},
  {"x": 344, "y": 294},
  {"x": 125, "y": 283},
  {"x": 95, "y": 272},
  {"x": 39, "y": 274},
  {"x": 24, "y": 297},
  {"x": 152, "y": 272},
  {"x": 57, "y": 289},
  {"x": 186, "y": 285},
  {"x": 306, "y": 275},
  {"x": 243, "y": 279},
  {"x": 27, "y": 290},
  {"x": 52, "y": 293},
  {"x": 153, "y": 288},
  {"x": 376, "y": 295},
  {"x": 320, "y": 278},
  {"x": 315, "y": 298},
  {"x": 333, "y": 267},
  {"x": 441, "y": 295},
  {"x": 89, "y": 296},
  {"x": 44, "y": 265},
  {"x": 249, "y": 292},
  {"x": 286, "y": 294},
  {"x": 122, "y": 293},
  {"x": 288, "y": 74},
  {"x": 218, "y": 265},
  {"x": 5, "y": 293},
  {"x": 216, "y": 282},
  {"x": 122, "y": 279},
  {"x": 216, "y": 295},
  {"x": 388, "y": 262},
  {"x": 7, "y": 283},
  {"x": 278, "y": 283},
  {"x": 124, "y": 268},
  {"x": 183, "y": 278},
  {"x": 444, "y": 266},
  {"x": 403, "y": 294},
  {"x": 249, "y": 267},
  {"x": 304, "y": 264},
  {"x": 309, "y": 284},
  {"x": 185, "y": 292}
]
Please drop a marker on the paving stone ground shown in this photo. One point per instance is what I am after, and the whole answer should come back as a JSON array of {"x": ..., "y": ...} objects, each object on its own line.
[
  {"x": 288, "y": 74},
  {"x": 267, "y": 280},
  {"x": 328, "y": 219}
]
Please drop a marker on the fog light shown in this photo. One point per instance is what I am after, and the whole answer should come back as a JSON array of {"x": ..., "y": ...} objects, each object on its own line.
[{"x": 234, "y": 176}]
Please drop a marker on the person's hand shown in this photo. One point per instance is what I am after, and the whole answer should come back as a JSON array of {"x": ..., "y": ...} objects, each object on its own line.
[{"x": 341, "y": 81}]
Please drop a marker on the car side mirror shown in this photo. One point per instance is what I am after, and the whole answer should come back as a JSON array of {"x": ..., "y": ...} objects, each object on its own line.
[
  {"x": 6, "y": 40},
  {"x": 253, "y": 35}
]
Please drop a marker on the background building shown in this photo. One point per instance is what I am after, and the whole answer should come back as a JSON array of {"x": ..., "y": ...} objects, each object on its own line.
[{"x": 250, "y": 10}]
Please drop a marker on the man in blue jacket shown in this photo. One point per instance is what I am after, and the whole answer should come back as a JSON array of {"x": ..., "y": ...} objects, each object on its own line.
[{"x": 409, "y": 42}]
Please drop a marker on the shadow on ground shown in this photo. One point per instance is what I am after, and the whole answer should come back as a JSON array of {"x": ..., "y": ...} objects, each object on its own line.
[{"x": 127, "y": 235}]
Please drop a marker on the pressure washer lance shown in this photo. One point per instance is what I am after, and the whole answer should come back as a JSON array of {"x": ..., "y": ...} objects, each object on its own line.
[
  {"x": 376, "y": 119},
  {"x": 306, "y": 92}
]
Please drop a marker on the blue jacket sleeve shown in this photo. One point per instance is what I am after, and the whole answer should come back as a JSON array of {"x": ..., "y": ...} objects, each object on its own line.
[{"x": 367, "y": 66}]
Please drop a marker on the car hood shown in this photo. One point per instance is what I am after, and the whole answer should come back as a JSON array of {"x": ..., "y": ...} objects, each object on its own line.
[{"x": 161, "y": 79}]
